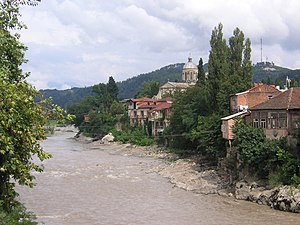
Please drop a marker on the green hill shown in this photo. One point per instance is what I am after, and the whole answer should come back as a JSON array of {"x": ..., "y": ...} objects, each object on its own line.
[
  {"x": 267, "y": 71},
  {"x": 264, "y": 71},
  {"x": 129, "y": 87},
  {"x": 64, "y": 98}
]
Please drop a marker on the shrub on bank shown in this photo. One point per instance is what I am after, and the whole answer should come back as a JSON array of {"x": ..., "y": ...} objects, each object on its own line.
[
  {"x": 265, "y": 158},
  {"x": 17, "y": 216},
  {"x": 136, "y": 136}
]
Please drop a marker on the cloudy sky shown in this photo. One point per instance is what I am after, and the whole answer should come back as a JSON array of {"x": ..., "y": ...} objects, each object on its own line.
[{"x": 76, "y": 43}]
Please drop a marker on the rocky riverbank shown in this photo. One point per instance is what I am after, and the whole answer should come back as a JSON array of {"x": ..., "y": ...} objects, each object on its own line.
[{"x": 192, "y": 174}]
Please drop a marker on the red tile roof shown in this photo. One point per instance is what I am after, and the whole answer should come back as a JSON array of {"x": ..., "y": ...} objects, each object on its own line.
[
  {"x": 141, "y": 99},
  {"x": 261, "y": 87},
  {"x": 163, "y": 105},
  {"x": 289, "y": 99}
]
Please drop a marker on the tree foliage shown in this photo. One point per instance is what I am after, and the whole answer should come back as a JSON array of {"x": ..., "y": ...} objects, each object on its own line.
[
  {"x": 229, "y": 67},
  {"x": 148, "y": 89},
  {"x": 265, "y": 157},
  {"x": 195, "y": 121},
  {"x": 103, "y": 108},
  {"x": 22, "y": 119}
]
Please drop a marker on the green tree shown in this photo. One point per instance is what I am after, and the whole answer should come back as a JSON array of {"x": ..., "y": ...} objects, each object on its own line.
[
  {"x": 185, "y": 112},
  {"x": 84, "y": 107},
  {"x": 247, "y": 76},
  {"x": 265, "y": 157},
  {"x": 201, "y": 72},
  {"x": 229, "y": 67},
  {"x": 112, "y": 88},
  {"x": 218, "y": 68},
  {"x": 149, "y": 89},
  {"x": 22, "y": 120},
  {"x": 209, "y": 136}
]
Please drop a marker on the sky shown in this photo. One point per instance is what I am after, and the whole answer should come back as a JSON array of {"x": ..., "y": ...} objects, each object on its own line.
[{"x": 76, "y": 43}]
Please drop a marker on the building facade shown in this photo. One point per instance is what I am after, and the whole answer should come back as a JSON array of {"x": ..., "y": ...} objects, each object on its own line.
[
  {"x": 259, "y": 93},
  {"x": 279, "y": 116}
]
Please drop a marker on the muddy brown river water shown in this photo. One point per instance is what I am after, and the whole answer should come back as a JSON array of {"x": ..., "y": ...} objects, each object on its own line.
[{"x": 82, "y": 186}]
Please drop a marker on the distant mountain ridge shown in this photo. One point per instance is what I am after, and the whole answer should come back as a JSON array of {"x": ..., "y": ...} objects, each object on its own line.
[{"x": 263, "y": 71}]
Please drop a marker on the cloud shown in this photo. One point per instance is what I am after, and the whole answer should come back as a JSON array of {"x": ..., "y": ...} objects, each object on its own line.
[{"x": 80, "y": 43}]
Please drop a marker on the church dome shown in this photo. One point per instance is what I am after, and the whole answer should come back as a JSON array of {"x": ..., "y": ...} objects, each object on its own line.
[{"x": 190, "y": 64}]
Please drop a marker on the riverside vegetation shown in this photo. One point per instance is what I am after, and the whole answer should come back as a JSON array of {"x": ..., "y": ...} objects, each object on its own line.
[
  {"x": 22, "y": 120},
  {"x": 195, "y": 123}
]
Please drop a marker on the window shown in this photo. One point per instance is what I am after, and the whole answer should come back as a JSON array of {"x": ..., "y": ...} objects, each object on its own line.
[
  {"x": 255, "y": 123},
  {"x": 142, "y": 113},
  {"x": 134, "y": 114},
  {"x": 263, "y": 123},
  {"x": 282, "y": 120},
  {"x": 263, "y": 119},
  {"x": 273, "y": 120}
]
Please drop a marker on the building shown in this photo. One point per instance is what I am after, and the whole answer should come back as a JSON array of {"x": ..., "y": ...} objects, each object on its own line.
[
  {"x": 241, "y": 102},
  {"x": 159, "y": 116},
  {"x": 252, "y": 97},
  {"x": 279, "y": 115},
  {"x": 150, "y": 112},
  {"x": 189, "y": 72},
  {"x": 228, "y": 123},
  {"x": 189, "y": 78},
  {"x": 169, "y": 88},
  {"x": 138, "y": 109}
]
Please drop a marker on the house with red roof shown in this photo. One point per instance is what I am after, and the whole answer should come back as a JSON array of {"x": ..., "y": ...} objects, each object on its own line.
[
  {"x": 241, "y": 102},
  {"x": 159, "y": 117},
  {"x": 279, "y": 115},
  {"x": 257, "y": 94},
  {"x": 144, "y": 110},
  {"x": 138, "y": 109}
]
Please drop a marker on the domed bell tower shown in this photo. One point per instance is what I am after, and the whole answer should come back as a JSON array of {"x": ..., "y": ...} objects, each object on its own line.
[{"x": 189, "y": 72}]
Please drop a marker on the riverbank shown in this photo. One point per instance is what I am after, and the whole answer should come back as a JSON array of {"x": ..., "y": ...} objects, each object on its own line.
[{"x": 193, "y": 174}]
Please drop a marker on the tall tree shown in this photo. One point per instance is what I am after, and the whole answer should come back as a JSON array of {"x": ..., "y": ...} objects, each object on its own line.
[
  {"x": 201, "y": 72},
  {"x": 229, "y": 67},
  {"x": 236, "y": 44},
  {"x": 22, "y": 120},
  {"x": 247, "y": 65},
  {"x": 112, "y": 88},
  {"x": 218, "y": 67}
]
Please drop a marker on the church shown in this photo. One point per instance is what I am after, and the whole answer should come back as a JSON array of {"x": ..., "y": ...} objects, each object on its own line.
[{"x": 189, "y": 78}]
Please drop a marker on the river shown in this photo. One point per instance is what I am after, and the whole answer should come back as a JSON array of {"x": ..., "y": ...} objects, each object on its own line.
[{"x": 83, "y": 186}]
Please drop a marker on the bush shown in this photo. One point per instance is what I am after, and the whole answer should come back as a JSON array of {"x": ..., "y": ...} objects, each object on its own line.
[
  {"x": 266, "y": 158},
  {"x": 135, "y": 135},
  {"x": 17, "y": 216}
]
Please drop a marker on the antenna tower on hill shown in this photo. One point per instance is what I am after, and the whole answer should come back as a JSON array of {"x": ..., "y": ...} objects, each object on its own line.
[{"x": 261, "y": 50}]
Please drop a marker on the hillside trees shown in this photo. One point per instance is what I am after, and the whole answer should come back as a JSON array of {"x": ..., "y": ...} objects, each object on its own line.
[
  {"x": 21, "y": 118},
  {"x": 103, "y": 109}
]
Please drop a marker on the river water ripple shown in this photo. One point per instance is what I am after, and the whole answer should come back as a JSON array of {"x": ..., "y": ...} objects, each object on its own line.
[{"x": 81, "y": 186}]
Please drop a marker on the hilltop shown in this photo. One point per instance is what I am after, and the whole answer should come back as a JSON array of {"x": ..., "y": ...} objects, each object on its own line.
[{"x": 263, "y": 71}]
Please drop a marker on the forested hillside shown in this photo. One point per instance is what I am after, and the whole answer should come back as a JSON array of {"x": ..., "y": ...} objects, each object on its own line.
[
  {"x": 65, "y": 98},
  {"x": 266, "y": 71},
  {"x": 129, "y": 87},
  {"x": 270, "y": 73}
]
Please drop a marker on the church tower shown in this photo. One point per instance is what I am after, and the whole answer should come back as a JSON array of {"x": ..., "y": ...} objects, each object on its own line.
[{"x": 189, "y": 72}]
